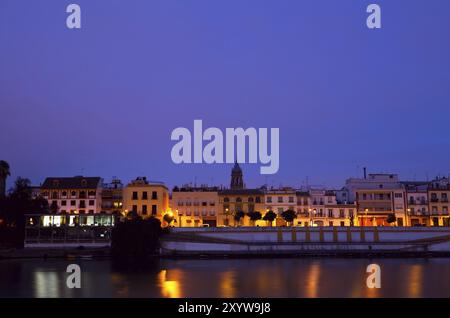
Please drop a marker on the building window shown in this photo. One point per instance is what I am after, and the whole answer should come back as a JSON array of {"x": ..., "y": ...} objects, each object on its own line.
[
  {"x": 73, "y": 194},
  {"x": 63, "y": 203},
  {"x": 204, "y": 203},
  {"x": 341, "y": 213},
  {"x": 280, "y": 199},
  {"x": 154, "y": 209},
  {"x": 330, "y": 213},
  {"x": 269, "y": 199},
  {"x": 144, "y": 209},
  {"x": 399, "y": 195},
  {"x": 55, "y": 195},
  {"x": 154, "y": 195},
  {"x": 135, "y": 195},
  {"x": 291, "y": 199},
  {"x": 73, "y": 202},
  {"x": 134, "y": 209},
  {"x": 91, "y": 202},
  {"x": 144, "y": 195},
  {"x": 82, "y": 194},
  {"x": 258, "y": 200}
]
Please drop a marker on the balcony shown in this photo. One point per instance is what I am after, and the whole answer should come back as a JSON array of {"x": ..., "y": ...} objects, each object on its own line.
[
  {"x": 437, "y": 213},
  {"x": 422, "y": 202}
]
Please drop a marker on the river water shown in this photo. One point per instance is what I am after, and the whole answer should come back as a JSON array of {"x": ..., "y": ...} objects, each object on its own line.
[{"x": 308, "y": 277}]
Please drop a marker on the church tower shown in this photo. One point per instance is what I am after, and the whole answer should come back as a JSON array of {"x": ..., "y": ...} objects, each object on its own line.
[{"x": 237, "y": 181}]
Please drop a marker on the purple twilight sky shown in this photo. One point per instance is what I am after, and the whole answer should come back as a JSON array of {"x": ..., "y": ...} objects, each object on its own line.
[{"x": 103, "y": 100}]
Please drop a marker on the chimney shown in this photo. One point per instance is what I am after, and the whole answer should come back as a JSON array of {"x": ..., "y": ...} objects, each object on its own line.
[{"x": 365, "y": 172}]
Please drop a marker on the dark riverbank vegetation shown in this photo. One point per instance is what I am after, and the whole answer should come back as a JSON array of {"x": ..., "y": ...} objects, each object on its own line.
[
  {"x": 135, "y": 237},
  {"x": 14, "y": 205}
]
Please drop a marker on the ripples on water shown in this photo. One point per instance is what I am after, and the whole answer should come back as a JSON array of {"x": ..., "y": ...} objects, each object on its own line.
[{"x": 228, "y": 278}]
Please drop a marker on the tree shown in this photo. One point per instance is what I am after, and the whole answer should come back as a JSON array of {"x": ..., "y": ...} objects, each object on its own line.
[
  {"x": 21, "y": 190},
  {"x": 168, "y": 217},
  {"x": 15, "y": 206},
  {"x": 136, "y": 238},
  {"x": 254, "y": 216},
  {"x": 269, "y": 217},
  {"x": 4, "y": 173},
  {"x": 391, "y": 218},
  {"x": 289, "y": 216},
  {"x": 132, "y": 215},
  {"x": 54, "y": 208},
  {"x": 238, "y": 216}
]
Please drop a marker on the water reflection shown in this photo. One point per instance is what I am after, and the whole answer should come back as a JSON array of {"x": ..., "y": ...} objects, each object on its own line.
[
  {"x": 170, "y": 288},
  {"x": 227, "y": 278},
  {"x": 227, "y": 283},
  {"x": 46, "y": 284},
  {"x": 415, "y": 280},
  {"x": 312, "y": 281}
]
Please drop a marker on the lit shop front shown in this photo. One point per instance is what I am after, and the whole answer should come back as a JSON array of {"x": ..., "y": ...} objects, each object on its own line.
[{"x": 68, "y": 228}]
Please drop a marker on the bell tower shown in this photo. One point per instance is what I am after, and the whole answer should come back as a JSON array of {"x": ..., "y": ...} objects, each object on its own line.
[{"x": 237, "y": 181}]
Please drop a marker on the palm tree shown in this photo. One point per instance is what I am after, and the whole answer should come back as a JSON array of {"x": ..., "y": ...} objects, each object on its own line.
[{"x": 4, "y": 173}]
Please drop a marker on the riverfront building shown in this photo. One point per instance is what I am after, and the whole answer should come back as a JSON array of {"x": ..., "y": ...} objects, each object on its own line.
[
  {"x": 195, "y": 206},
  {"x": 374, "y": 200},
  {"x": 317, "y": 207},
  {"x": 75, "y": 195},
  {"x": 145, "y": 198},
  {"x": 112, "y": 197},
  {"x": 417, "y": 203},
  {"x": 438, "y": 200}
]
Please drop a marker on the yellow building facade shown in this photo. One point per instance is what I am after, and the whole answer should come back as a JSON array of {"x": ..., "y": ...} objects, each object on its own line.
[
  {"x": 195, "y": 206},
  {"x": 146, "y": 198}
]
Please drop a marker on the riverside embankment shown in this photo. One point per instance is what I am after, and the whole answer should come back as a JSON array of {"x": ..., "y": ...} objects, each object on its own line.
[{"x": 306, "y": 241}]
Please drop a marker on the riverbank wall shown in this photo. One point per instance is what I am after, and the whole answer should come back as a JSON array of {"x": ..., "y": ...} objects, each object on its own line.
[{"x": 306, "y": 241}]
